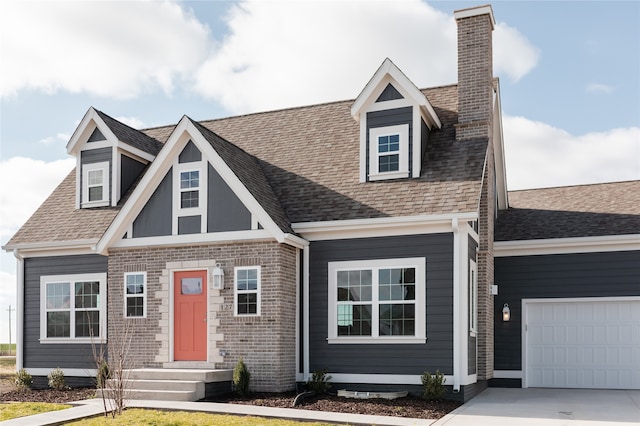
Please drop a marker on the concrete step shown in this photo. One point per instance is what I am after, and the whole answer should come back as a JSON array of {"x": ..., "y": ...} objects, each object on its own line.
[
  {"x": 160, "y": 395},
  {"x": 207, "y": 376},
  {"x": 177, "y": 385}
]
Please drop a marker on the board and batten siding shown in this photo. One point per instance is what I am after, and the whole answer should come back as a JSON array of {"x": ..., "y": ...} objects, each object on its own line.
[
  {"x": 130, "y": 170},
  {"x": 611, "y": 274},
  {"x": 410, "y": 359},
  {"x": 155, "y": 218},
  {"x": 51, "y": 355},
  {"x": 225, "y": 211}
]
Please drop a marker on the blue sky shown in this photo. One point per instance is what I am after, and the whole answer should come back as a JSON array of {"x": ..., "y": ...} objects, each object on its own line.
[{"x": 569, "y": 74}]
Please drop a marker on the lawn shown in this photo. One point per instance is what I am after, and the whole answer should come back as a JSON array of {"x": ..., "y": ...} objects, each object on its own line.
[
  {"x": 6, "y": 349},
  {"x": 141, "y": 417},
  {"x": 21, "y": 409}
]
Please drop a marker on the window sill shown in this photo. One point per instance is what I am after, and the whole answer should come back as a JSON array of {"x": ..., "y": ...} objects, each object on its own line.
[
  {"x": 389, "y": 175},
  {"x": 400, "y": 340},
  {"x": 95, "y": 204},
  {"x": 66, "y": 341}
]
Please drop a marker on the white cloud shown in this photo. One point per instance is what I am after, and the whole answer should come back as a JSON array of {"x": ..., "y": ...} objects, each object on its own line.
[
  {"x": 134, "y": 122},
  {"x": 599, "y": 88},
  {"x": 7, "y": 298},
  {"x": 37, "y": 180},
  {"x": 539, "y": 155},
  {"x": 60, "y": 137},
  {"x": 110, "y": 49},
  {"x": 280, "y": 54},
  {"x": 514, "y": 56}
]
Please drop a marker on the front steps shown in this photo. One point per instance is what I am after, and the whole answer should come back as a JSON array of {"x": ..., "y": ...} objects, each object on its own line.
[{"x": 176, "y": 384}]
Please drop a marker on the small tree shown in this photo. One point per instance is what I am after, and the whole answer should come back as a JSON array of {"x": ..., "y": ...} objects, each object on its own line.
[
  {"x": 56, "y": 379},
  {"x": 241, "y": 378},
  {"x": 432, "y": 385}
]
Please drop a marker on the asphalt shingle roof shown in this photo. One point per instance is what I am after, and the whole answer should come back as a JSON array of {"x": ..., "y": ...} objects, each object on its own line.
[
  {"x": 572, "y": 211},
  {"x": 131, "y": 136}
]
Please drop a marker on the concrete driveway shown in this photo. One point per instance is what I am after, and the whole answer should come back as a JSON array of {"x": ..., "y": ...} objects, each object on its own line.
[{"x": 547, "y": 407}]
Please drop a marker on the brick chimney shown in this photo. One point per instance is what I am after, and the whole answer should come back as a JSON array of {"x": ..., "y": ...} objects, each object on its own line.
[{"x": 475, "y": 72}]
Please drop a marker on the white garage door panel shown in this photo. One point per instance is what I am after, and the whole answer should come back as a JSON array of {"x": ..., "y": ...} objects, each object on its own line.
[{"x": 583, "y": 344}]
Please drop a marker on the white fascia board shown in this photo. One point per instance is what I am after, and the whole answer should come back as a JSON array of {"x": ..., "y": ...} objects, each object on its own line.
[
  {"x": 609, "y": 243},
  {"x": 187, "y": 239},
  {"x": 132, "y": 151},
  {"x": 498, "y": 153},
  {"x": 74, "y": 143},
  {"x": 387, "y": 73},
  {"x": 386, "y": 226},
  {"x": 51, "y": 246}
]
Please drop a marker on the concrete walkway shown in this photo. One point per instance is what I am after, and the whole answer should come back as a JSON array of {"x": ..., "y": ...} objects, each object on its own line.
[
  {"x": 93, "y": 407},
  {"x": 548, "y": 407},
  {"x": 493, "y": 407}
]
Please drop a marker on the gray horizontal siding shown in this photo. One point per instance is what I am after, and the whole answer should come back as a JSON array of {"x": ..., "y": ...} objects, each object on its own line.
[
  {"x": 437, "y": 353},
  {"x": 155, "y": 218},
  {"x": 38, "y": 355},
  {"x": 555, "y": 276}
]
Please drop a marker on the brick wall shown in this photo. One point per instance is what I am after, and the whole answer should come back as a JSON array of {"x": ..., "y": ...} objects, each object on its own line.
[
  {"x": 475, "y": 121},
  {"x": 267, "y": 342}
]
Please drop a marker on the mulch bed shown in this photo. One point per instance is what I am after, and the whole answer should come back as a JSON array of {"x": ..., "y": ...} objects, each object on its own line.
[{"x": 409, "y": 406}]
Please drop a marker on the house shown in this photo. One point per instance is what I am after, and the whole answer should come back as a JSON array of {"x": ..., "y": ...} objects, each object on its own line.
[{"x": 372, "y": 238}]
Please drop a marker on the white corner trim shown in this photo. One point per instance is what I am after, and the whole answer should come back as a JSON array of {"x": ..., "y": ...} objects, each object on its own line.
[
  {"x": 507, "y": 374},
  {"x": 378, "y": 227},
  {"x": 607, "y": 243}
]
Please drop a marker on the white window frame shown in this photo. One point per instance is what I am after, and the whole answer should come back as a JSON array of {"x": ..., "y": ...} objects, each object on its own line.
[
  {"x": 130, "y": 296},
  {"x": 72, "y": 279},
  {"x": 419, "y": 263},
  {"x": 473, "y": 297},
  {"x": 201, "y": 210},
  {"x": 86, "y": 169},
  {"x": 237, "y": 292},
  {"x": 402, "y": 130}
]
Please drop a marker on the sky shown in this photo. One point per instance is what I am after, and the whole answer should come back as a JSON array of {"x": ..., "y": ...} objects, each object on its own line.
[{"x": 569, "y": 78}]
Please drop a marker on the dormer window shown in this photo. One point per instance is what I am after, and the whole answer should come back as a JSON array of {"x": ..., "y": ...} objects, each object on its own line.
[
  {"x": 95, "y": 184},
  {"x": 389, "y": 152}
]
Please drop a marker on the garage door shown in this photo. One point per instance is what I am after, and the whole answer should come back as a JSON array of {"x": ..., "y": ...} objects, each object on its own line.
[{"x": 586, "y": 343}]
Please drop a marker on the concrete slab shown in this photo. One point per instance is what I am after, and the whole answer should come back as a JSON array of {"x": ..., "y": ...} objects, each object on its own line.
[{"x": 547, "y": 407}]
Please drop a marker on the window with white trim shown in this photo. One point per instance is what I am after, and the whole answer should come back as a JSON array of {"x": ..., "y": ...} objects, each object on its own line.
[
  {"x": 247, "y": 290},
  {"x": 189, "y": 189},
  {"x": 135, "y": 294},
  {"x": 389, "y": 152},
  {"x": 72, "y": 308},
  {"x": 473, "y": 296},
  {"x": 377, "y": 301},
  {"x": 95, "y": 184}
]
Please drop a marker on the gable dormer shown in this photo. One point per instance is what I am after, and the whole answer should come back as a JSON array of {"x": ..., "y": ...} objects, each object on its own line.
[
  {"x": 110, "y": 156},
  {"x": 395, "y": 119}
]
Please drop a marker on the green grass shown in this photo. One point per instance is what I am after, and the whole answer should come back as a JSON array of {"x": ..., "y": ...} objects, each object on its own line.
[
  {"x": 142, "y": 417},
  {"x": 8, "y": 362},
  {"x": 22, "y": 409},
  {"x": 5, "y": 349}
]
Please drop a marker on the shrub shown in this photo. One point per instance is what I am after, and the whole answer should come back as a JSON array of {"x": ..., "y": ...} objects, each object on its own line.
[
  {"x": 432, "y": 385},
  {"x": 103, "y": 375},
  {"x": 56, "y": 378},
  {"x": 23, "y": 380},
  {"x": 241, "y": 377},
  {"x": 319, "y": 382}
]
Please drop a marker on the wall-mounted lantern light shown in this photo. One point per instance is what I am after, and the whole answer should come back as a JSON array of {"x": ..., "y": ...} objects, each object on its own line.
[
  {"x": 506, "y": 313},
  {"x": 218, "y": 277}
]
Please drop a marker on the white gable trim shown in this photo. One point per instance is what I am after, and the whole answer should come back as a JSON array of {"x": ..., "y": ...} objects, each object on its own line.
[
  {"x": 184, "y": 131},
  {"x": 567, "y": 245},
  {"x": 387, "y": 73},
  {"x": 84, "y": 130}
]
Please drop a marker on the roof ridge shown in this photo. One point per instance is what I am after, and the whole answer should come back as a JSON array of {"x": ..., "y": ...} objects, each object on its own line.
[{"x": 577, "y": 185}]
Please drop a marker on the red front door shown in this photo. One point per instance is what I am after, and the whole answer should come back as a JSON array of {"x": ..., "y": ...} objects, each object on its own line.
[{"x": 190, "y": 316}]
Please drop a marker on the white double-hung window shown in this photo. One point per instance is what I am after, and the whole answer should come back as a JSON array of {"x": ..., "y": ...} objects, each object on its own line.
[
  {"x": 72, "y": 308},
  {"x": 389, "y": 152},
  {"x": 377, "y": 301},
  {"x": 95, "y": 184}
]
